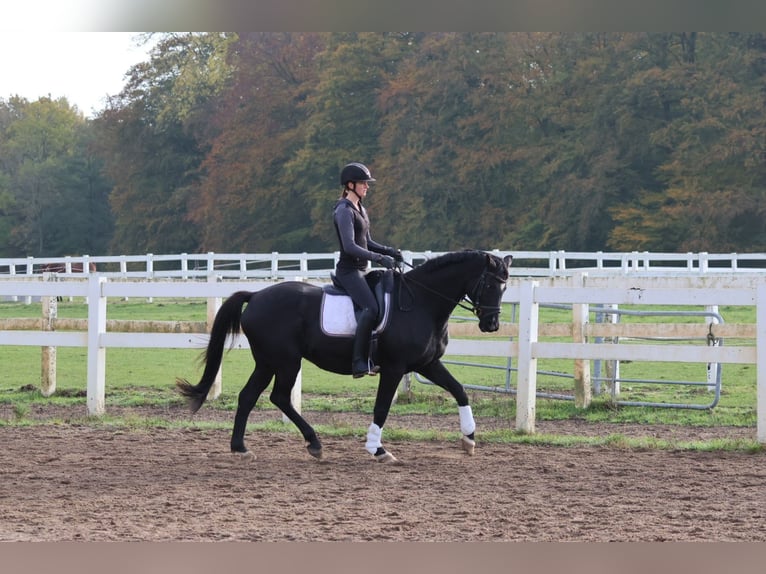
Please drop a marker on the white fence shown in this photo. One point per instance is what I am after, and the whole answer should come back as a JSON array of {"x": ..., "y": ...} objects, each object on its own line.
[
  {"x": 318, "y": 265},
  {"x": 728, "y": 289}
]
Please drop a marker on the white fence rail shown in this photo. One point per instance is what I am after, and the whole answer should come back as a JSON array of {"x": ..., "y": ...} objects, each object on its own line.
[
  {"x": 529, "y": 294},
  {"x": 318, "y": 265}
]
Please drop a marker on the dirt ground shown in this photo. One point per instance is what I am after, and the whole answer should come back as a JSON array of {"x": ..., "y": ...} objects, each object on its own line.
[{"x": 73, "y": 482}]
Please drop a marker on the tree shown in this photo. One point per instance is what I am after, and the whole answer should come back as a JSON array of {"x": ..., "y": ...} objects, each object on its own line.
[
  {"x": 52, "y": 203},
  {"x": 342, "y": 125},
  {"x": 713, "y": 176},
  {"x": 445, "y": 142},
  {"x": 154, "y": 138},
  {"x": 247, "y": 198},
  {"x": 577, "y": 141},
  {"x": 83, "y": 222}
]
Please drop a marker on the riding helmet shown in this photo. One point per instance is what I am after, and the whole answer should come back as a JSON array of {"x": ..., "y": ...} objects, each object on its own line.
[{"x": 355, "y": 172}]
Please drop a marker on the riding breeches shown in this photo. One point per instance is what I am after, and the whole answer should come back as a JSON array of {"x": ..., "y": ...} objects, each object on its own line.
[{"x": 354, "y": 282}]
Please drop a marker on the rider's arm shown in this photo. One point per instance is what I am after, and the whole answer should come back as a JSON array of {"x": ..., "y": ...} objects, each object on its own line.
[{"x": 373, "y": 245}]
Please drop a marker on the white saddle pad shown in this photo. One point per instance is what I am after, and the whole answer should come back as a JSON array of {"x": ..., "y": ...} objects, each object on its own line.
[{"x": 337, "y": 315}]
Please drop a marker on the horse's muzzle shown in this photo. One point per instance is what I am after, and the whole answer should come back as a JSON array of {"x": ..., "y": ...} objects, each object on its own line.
[{"x": 489, "y": 323}]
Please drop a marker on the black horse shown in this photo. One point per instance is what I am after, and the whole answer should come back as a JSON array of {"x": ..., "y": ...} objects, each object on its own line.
[{"x": 282, "y": 325}]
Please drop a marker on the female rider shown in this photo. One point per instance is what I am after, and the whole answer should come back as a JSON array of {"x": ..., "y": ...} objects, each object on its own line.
[{"x": 357, "y": 249}]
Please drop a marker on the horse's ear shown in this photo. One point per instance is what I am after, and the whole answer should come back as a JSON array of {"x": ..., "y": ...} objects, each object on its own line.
[{"x": 508, "y": 259}]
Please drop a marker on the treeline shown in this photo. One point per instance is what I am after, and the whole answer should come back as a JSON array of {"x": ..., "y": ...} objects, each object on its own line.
[
  {"x": 234, "y": 142},
  {"x": 54, "y": 197}
]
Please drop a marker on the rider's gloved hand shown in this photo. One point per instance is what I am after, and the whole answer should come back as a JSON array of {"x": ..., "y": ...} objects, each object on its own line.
[
  {"x": 395, "y": 253},
  {"x": 387, "y": 261}
]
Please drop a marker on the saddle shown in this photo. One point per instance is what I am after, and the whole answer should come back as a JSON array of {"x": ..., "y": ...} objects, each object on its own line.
[{"x": 338, "y": 315}]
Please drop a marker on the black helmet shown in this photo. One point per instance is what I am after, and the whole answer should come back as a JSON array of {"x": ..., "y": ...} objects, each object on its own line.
[{"x": 355, "y": 172}]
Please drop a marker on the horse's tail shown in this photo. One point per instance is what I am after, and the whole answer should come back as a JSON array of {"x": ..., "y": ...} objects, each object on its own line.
[{"x": 227, "y": 322}]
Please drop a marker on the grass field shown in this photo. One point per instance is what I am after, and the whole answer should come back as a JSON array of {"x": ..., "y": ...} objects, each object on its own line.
[{"x": 146, "y": 377}]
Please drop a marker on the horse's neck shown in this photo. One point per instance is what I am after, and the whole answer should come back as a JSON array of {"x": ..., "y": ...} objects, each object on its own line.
[{"x": 445, "y": 288}]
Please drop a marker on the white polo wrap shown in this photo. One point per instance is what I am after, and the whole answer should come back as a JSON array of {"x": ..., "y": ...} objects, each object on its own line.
[
  {"x": 467, "y": 424},
  {"x": 373, "y": 438}
]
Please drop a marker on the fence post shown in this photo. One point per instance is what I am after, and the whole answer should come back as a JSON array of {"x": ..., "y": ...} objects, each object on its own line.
[
  {"x": 562, "y": 259},
  {"x": 12, "y": 273},
  {"x": 526, "y": 393},
  {"x": 295, "y": 395},
  {"x": 552, "y": 262},
  {"x": 760, "y": 341},
  {"x": 48, "y": 366},
  {"x": 213, "y": 305},
  {"x": 68, "y": 269},
  {"x": 275, "y": 265},
  {"x": 612, "y": 367},
  {"x": 582, "y": 379},
  {"x": 123, "y": 269},
  {"x": 150, "y": 272},
  {"x": 712, "y": 368},
  {"x": 30, "y": 271},
  {"x": 243, "y": 267},
  {"x": 304, "y": 267},
  {"x": 96, "y": 349}
]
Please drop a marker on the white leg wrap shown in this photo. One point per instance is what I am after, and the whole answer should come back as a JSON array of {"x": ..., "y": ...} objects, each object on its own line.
[
  {"x": 373, "y": 438},
  {"x": 467, "y": 424}
]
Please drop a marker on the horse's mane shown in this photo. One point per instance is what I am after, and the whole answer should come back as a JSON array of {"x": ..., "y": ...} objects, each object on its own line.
[{"x": 447, "y": 259}]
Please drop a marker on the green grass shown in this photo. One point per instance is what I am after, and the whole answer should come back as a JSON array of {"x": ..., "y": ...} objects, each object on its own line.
[{"x": 145, "y": 377}]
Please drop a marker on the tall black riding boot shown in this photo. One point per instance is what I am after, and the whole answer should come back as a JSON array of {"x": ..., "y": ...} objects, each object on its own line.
[{"x": 361, "y": 364}]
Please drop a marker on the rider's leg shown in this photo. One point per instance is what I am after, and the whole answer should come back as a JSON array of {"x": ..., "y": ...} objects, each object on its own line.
[
  {"x": 355, "y": 283},
  {"x": 361, "y": 362}
]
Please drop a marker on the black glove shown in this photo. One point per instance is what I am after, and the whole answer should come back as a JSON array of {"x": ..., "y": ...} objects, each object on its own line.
[
  {"x": 396, "y": 254},
  {"x": 387, "y": 262}
]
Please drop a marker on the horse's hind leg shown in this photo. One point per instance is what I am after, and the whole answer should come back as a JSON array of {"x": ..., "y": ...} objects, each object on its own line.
[
  {"x": 280, "y": 396},
  {"x": 248, "y": 396},
  {"x": 438, "y": 374}
]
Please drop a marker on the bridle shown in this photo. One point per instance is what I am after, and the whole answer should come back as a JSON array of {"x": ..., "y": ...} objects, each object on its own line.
[
  {"x": 477, "y": 292},
  {"x": 470, "y": 302}
]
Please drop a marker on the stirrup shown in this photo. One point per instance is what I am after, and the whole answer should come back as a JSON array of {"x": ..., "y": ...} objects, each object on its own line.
[{"x": 370, "y": 369}]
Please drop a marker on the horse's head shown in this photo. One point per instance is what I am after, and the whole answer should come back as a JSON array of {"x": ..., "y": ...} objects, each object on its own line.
[{"x": 487, "y": 292}]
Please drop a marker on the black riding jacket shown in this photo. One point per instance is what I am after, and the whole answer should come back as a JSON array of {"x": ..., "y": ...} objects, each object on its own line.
[{"x": 353, "y": 228}]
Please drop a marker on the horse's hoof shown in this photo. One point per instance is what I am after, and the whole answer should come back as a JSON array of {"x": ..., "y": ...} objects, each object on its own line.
[
  {"x": 386, "y": 457},
  {"x": 469, "y": 445},
  {"x": 315, "y": 452},
  {"x": 246, "y": 456}
]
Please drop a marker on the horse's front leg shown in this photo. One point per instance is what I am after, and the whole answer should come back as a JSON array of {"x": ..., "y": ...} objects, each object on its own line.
[
  {"x": 386, "y": 390},
  {"x": 438, "y": 374}
]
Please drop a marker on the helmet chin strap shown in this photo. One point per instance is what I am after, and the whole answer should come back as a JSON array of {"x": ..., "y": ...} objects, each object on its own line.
[{"x": 353, "y": 190}]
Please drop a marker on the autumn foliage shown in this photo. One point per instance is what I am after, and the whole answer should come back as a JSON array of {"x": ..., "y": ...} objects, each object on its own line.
[{"x": 533, "y": 141}]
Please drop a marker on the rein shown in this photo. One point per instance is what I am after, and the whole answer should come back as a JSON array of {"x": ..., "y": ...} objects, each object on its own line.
[{"x": 473, "y": 301}]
